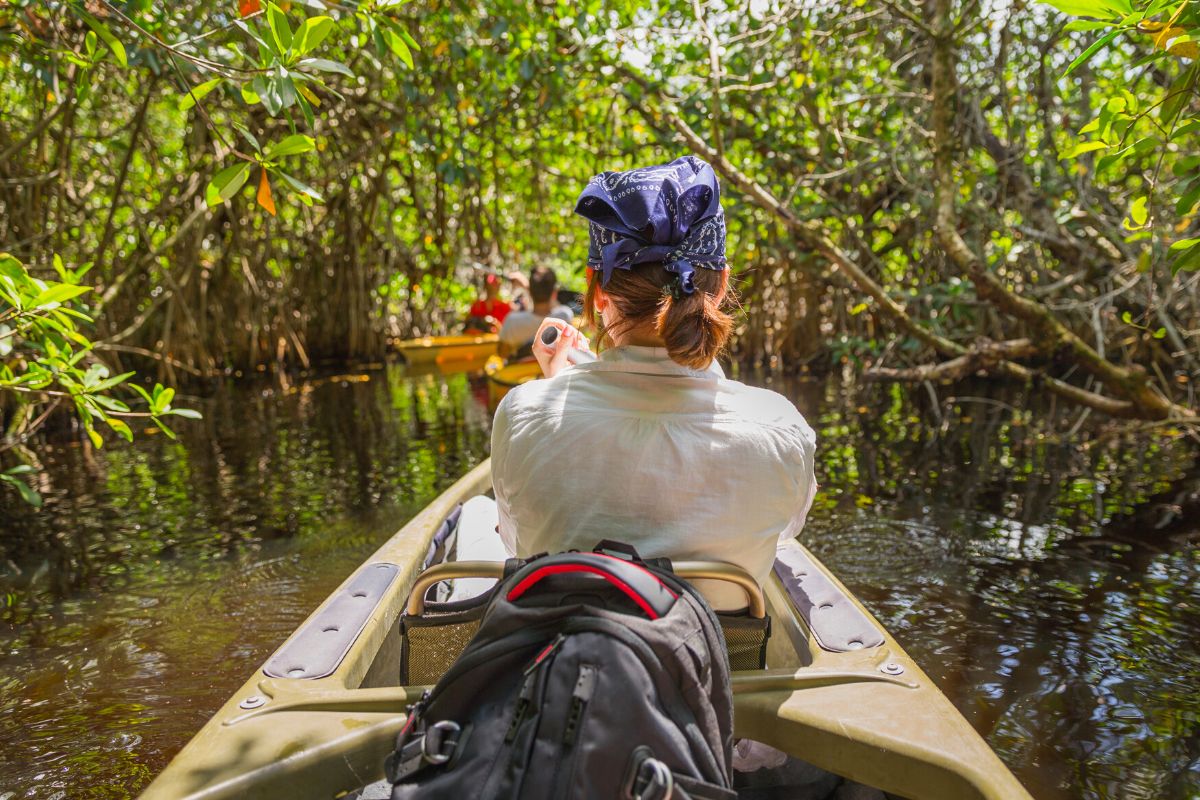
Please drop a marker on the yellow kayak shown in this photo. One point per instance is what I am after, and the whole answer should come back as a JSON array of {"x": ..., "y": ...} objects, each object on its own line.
[
  {"x": 448, "y": 349},
  {"x": 318, "y": 718},
  {"x": 502, "y": 377}
]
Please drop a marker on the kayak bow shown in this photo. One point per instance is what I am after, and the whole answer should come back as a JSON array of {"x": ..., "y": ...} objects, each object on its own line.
[{"x": 321, "y": 714}]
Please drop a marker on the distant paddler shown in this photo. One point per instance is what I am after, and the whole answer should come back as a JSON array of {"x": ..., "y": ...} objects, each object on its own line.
[
  {"x": 488, "y": 313},
  {"x": 519, "y": 328}
]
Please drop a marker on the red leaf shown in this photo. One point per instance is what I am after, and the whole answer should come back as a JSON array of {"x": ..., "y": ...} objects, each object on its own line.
[
  {"x": 248, "y": 7},
  {"x": 264, "y": 194}
]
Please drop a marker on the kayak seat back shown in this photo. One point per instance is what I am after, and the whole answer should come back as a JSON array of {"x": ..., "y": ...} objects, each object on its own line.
[
  {"x": 433, "y": 635},
  {"x": 430, "y": 642}
]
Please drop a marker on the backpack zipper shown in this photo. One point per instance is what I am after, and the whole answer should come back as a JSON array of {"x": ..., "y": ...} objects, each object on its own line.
[
  {"x": 585, "y": 686},
  {"x": 525, "y": 699},
  {"x": 564, "y": 767},
  {"x": 653, "y": 664}
]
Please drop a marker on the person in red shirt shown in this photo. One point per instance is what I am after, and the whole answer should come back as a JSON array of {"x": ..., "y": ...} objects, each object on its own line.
[{"x": 488, "y": 313}]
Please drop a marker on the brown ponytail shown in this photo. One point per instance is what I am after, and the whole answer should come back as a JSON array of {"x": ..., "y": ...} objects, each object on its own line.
[{"x": 694, "y": 327}]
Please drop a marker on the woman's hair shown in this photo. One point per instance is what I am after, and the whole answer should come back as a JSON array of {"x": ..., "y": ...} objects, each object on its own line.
[{"x": 694, "y": 327}]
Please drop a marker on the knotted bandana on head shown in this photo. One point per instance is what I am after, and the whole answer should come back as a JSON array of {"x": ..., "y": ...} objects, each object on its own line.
[{"x": 670, "y": 213}]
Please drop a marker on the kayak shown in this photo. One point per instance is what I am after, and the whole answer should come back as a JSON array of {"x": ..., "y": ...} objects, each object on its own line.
[
  {"x": 319, "y": 717},
  {"x": 445, "y": 349},
  {"x": 503, "y": 378}
]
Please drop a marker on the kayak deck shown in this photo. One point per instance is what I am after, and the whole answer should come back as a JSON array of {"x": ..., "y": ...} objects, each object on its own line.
[
  {"x": 501, "y": 379},
  {"x": 866, "y": 712}
]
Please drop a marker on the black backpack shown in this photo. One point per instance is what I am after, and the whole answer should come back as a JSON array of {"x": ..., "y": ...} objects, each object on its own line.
[{"x": 591, "y": 676}]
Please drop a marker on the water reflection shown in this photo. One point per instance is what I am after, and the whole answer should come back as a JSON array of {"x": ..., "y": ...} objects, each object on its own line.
[
  {"x": 162, "y": 573},
  {"x": 1024, "y": 576},
  {"x": 1029, "y": 577}
]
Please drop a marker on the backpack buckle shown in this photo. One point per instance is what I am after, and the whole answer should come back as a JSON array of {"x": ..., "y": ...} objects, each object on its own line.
[
  {"x": 437, "y": 746},
  {"x": 653, "y": 781}
]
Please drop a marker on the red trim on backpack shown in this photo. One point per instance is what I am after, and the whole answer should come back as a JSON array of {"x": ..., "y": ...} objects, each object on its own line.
[{"x": 558, "y": 569}]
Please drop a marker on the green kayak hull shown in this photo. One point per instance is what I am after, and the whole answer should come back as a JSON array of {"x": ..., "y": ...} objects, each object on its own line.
[{"x": 869, "y": 714}]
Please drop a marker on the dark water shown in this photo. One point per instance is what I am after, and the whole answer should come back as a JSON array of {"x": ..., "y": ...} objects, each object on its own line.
[{"x": 1026, "y": 575}]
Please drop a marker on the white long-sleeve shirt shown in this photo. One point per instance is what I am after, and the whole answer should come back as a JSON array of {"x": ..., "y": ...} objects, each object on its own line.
[{"x": 678, "y": 462}]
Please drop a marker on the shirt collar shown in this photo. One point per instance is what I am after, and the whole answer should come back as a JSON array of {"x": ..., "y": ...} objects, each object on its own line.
[{"x": 649, "y": 360}]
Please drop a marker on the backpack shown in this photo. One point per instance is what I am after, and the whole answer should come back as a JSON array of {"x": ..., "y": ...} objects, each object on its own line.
[{"x": 591, "y": 676}]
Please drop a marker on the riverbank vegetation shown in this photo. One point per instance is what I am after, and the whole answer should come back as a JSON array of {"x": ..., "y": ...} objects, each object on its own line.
[{"x": 917, "y": 192}]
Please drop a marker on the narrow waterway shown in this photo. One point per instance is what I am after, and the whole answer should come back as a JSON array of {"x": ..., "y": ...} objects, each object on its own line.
[{"x": 1024, "y": 574}]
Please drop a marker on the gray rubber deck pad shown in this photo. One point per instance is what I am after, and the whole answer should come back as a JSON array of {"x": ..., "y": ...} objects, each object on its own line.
[
  {"x": 834, "y": 619},
  {"x": 319, "y": 646}
]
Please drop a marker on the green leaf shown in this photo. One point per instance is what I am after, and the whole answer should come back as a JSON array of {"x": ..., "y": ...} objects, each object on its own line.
[
  {"x": 279, "y": 27},
  {"x": 162, "y": 427},
  {"x": 1186, "y": 129},
  {"x": 197, "y": 93},
  {"x": 1178, "y": 94},
  {"x": 12, "y": 268},
  {"x": 226, "y": 183},
  {"x": 186, "y": 413},
  {"x": 1160, "y": 333},
  {"x": 325, "y": 65},
  {"x": 1183, "y": 244},
  {"x": 269, "y": 94},
  {"x": 58, "y": 293},
  {"x": 110, "y": 403},
  {"x": 105, "y": 385},
  {"x": 1083, "y": 147},
  {"x": 305, "y": 108},
  {"x": 1126, "y": 317},
  {"x": 120, "y": 428},
  {"x": 290, "y": 146},
  {"x": 1095, "y": 47},
  {"x": 304, "y": 189},
  {"x": 312, "y": 33},
  {"x": 250, "y": 138},
  {"x": 1188, "y": 261},
  {"x": 1091, "y": 8},
  {"x": 286, "y": 90},
  {"x": 20, "y": 469},
  {"x": 1085, "y": 25},
  {"x": 1137, "y": 211},
  {"x": 398, "y": 46},
  {"x": 162, "y": 398},
  {"x": 114, "y": 44},
  {"x": 26, "y": 491}
]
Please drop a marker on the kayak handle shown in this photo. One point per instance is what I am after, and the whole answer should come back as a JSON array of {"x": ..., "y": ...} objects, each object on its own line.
[{"x": 688, "y": 570}]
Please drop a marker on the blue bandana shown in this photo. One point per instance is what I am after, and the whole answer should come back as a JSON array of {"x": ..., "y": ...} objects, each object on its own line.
[{"x": 670, "y": 213}]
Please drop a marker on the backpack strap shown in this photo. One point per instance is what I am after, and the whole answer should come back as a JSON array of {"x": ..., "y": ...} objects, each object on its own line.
[
  {"x": 611, "y": 547},
  {"x": 651, "y": 779},
  {"x": 641, "y": 585}
]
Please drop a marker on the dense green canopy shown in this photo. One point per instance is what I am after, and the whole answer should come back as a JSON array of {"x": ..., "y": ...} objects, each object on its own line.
[{"x": 918, "y": 191}]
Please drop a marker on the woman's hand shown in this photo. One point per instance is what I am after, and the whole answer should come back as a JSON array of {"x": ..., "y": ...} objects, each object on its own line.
[{"x": 553, "y": 359}]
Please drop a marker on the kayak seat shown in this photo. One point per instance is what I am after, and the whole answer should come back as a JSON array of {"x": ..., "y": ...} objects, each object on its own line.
[{"x": 430, "y": 642}]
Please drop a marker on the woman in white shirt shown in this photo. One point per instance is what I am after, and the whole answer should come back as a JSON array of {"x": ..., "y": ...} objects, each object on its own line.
[{"x": 652, "y": 444}]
